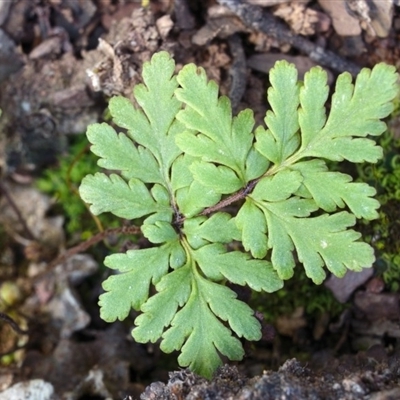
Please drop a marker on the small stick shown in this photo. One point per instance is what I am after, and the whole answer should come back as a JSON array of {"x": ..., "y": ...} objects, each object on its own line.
[
  {"x": 12, "y": 204},
  {"x": 238, "y": 71},
  {"x": 256, "y": 18},
  {"x": 239, "y": 195},
  {"x": 81, "y": 247},
  {"x": 13, "y": 324}
]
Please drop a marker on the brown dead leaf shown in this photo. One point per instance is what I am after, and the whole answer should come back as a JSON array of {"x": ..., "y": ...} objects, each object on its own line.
[
  {"x": 301, "y": 19},
  {"x": 164, "y": 25},
  {"x": 288, "y": 325}
]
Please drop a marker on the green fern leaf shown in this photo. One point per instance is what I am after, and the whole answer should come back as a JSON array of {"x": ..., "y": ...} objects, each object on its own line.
[
  {"x": 253, "y": 226},
  {"x": 202, "y": 338},
  {"x": 220, "y": 228},
  {"x": 159, "y": 231},
  {"x": 132, "y": 161},
  {"x": 113, "y": 194},
  {"x": 191, "y": 195},
  {"x": 149, "y": 127},
  {"x": 318, "y": 241},
  {"x": 282, "y": 137},
  {"x": 350, "y": 115},
  {"x": 238, "y": 268},
  {"x": 221, "y": 179},
  {"x": 151, "y": 323},
  {"x": 331, "y": 190},
  {"x": 121, "y": 292},
  {"x": 222, "y": 203},
  {"x": 223, "y": 139}
]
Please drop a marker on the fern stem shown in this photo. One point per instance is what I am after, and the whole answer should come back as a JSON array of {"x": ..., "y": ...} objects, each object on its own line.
[{"x": 241, "y": 194}]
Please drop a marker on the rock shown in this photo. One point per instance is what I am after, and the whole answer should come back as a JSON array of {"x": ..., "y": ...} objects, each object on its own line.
[
  {"x": 343, "y": 23},
  {"x": 4, "y": 9},
  {"x": 343, "y": 288},
  {"x": 381, "y": 17},
  {"x": 302, "y": 19},
  {"x": 10, "y": 60},
  {"x": 377, "y": 306},
  {"x": 164, "y": 25},
  {"x": 36, "y": 389},
  {"x": 386, "y": 395},
  {"x": 269, "y": 3}
]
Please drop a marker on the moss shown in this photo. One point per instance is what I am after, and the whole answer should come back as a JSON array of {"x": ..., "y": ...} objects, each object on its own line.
[
  {"x": 300, "y": 291},
  {"x": 62, "y": 181},
  {"x": 384, "y": 233}
]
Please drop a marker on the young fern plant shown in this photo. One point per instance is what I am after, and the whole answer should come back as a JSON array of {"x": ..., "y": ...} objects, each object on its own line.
[{"x": 185, "y": 159}]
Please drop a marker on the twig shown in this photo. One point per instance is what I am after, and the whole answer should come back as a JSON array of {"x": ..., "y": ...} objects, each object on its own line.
[
  {"x": 238, "y": 71},
  {"x": 239, "y": 195},
  {"x": 81, "y": 247},
  {"x": 13, "y": 324},
  {"x": 256, "y": 18},
  {"x": 12, "y": 204}
]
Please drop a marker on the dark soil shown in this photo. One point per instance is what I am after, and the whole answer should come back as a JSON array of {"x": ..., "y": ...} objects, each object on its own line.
[{"x": 60, "y": 62}]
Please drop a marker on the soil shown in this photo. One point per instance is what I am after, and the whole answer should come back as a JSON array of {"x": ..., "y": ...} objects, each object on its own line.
[{"x": 60, "y": 62}]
